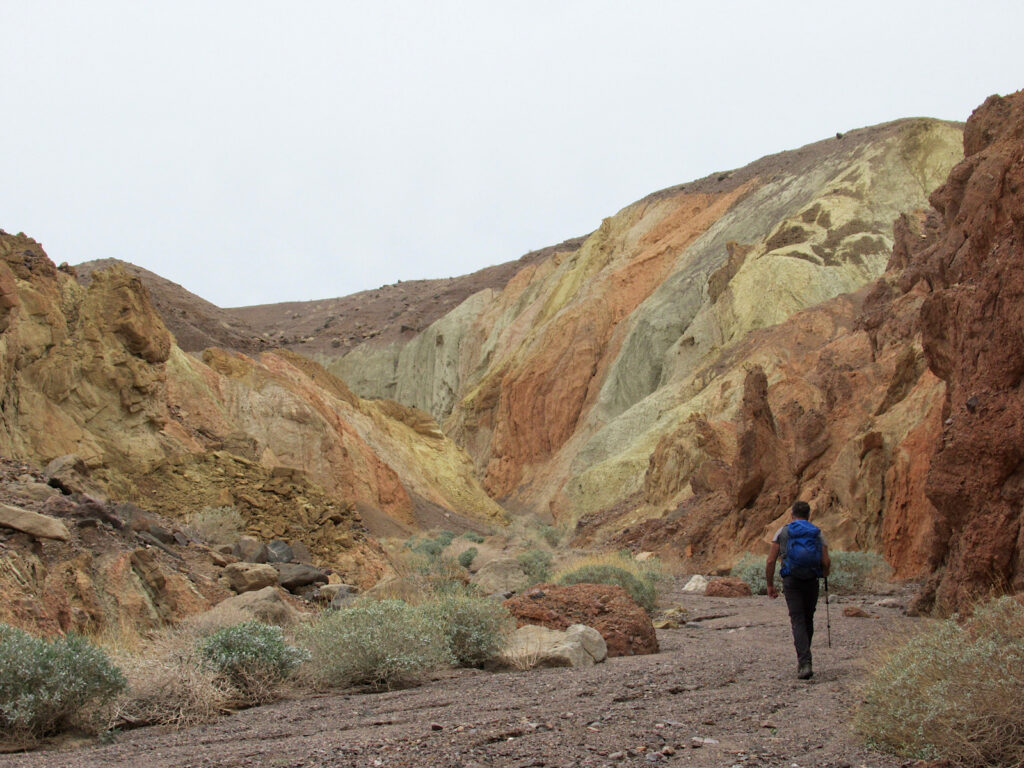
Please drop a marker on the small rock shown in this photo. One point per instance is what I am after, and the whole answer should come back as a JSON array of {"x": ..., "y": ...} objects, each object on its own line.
[
  {"x": 617, "y": 756},
  {"x": 696, "y": 584},
  {"x": 654, "y": 757},
  {"x": 436, "y": 727},
  {"x": 854, "y": 612}
]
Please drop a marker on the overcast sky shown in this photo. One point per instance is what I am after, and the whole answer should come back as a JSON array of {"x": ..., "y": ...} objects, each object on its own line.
[{"x": 257, "y": 152}]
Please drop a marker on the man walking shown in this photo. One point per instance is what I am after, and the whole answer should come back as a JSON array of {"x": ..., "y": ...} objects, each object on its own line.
[{"x": 804, "y": 560}]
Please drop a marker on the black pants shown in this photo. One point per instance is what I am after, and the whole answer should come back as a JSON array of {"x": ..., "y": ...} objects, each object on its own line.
[{"x": 801, "y": 599}]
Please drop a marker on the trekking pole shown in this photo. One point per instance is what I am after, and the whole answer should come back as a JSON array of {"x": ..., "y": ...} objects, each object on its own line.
[{"x": 828, "y": 618}]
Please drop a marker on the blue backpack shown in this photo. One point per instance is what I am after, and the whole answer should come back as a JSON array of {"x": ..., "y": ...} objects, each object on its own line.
[{"x": 802, "y": 558}]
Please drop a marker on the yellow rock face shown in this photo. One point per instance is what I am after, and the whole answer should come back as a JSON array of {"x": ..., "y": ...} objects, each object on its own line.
[{"x": 94, "y": 372}]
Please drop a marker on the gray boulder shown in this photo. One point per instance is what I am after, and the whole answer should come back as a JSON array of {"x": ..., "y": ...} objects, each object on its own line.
[{"x": 292, "y": 576}]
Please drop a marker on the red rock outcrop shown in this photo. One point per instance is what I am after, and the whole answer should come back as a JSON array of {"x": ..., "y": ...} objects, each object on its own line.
[
  {"x": 973, "y": 333},
  {"x": 625, "y": 626}
]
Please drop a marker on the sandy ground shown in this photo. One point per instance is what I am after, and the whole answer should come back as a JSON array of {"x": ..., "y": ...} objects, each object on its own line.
[{"x": 722, "y": 692}]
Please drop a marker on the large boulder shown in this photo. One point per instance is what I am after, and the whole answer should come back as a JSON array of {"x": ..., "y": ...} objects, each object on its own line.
[
  {"x": 32, "y": 523},
  {"x": 625, "y": 626},
  {"x": 503, "y": 576},
  {"x": 535, "y": 646},
  {"x": 249, "y": 577},
  {"x": 266, "y": 605}
]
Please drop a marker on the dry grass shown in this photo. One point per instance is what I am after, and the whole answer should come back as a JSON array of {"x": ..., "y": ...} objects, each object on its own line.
[
  {"x": 217, "y": 525},
  {"x": 170, "y": 685},
  {"x": 646, "y": 570},
  {"x": 203, "y": 624},
  {"x": 522, "y": 656},
  {"x": 953, "y": 691}
]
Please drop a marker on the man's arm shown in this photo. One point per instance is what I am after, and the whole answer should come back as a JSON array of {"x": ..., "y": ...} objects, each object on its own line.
[
  {"x": 826, "y": 561},
  {"x": 769, "y": 569}
]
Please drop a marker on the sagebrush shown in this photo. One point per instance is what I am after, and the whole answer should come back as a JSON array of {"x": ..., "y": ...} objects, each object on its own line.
[
  {"x": 467, "y": 556},
  {"x": 47, "y": 686},
  {"x": 750, "y": 568},
  {"x": 475, "y": 628},
  {"x": 253, "y": 657},
  {"x": 380, "y": 644},
  {"x": 952, "y": 691},
  {"x": 536, "y": 564},
  {"x": 851, "y": 571}
]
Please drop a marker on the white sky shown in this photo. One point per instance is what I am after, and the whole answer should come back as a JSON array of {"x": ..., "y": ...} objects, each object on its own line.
[{"x": 272, "y": 151}]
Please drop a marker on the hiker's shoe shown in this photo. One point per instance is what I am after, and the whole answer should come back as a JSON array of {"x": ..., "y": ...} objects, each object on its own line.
[{"x": 804, "y": 672}]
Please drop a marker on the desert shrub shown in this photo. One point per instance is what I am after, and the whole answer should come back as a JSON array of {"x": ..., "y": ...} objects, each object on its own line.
[
  {"x": 475, "y": 627},
  {"x": 444, "y": 538},
  {"x": 644, "y": 593},
  {"x": 467, "y": 556},
  {"x": 378, "y": 644},
  {"x": 429, "y": 575},
  {"x": 952, "y": 691},
  {"x": 49, "y": 685},
  {"x": 649, "y": 569},
  {"x": 750, "y": 568},
  {"x": 218, "y": 525},
  {"x": 536, "y": 564},
  {"x": 549, "y": 534},
  {"x": 253, "y": 657},
  {"x": 852, "y": 571},
  {"x": 473, "y": 536},
  {"x": 427, "y": 547},
  {"x": 171, "y": 685}
]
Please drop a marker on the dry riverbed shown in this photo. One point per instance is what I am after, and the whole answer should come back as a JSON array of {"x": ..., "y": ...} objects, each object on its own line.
[{"x": 722, "y": 692}]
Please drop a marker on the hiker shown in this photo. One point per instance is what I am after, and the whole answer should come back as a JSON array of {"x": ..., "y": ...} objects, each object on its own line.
[{"x": 804, "y": 560}]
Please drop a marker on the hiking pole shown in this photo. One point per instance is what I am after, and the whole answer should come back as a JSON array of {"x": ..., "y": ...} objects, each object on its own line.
[{"x": 828, "y": 618}]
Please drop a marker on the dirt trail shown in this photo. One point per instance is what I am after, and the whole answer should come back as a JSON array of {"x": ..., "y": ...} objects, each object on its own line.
[{"x": 727, "y": 681}]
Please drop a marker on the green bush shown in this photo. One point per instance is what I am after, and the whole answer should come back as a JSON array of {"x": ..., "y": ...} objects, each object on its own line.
[
  {"x": 473, "y": 536},
  {"x": 253, "y": 657},
  {"x": 643, "y": 592},
  {"x": 853, "y": 571},
  {"x": 49, "y": 685},
  {"x": 536, "y": 564},
  {"x": 378, "y": 644},
  {"x": 426, "y": 547},
  {"x": 750, "y": 568},
  {"x": 475, "y": 627},
  {"x": 954, "y": 692},
  {"x": 444, "y": 538},
  {"x": 467, "y": 557}
]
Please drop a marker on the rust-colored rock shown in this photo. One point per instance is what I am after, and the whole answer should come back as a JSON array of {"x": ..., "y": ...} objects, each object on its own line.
[
  {"x": 972, "y": 325},
  {"x": 625, "y": 626},
  {"x": 855, "y": 612},
  {"x": 728, "y": 586}
]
